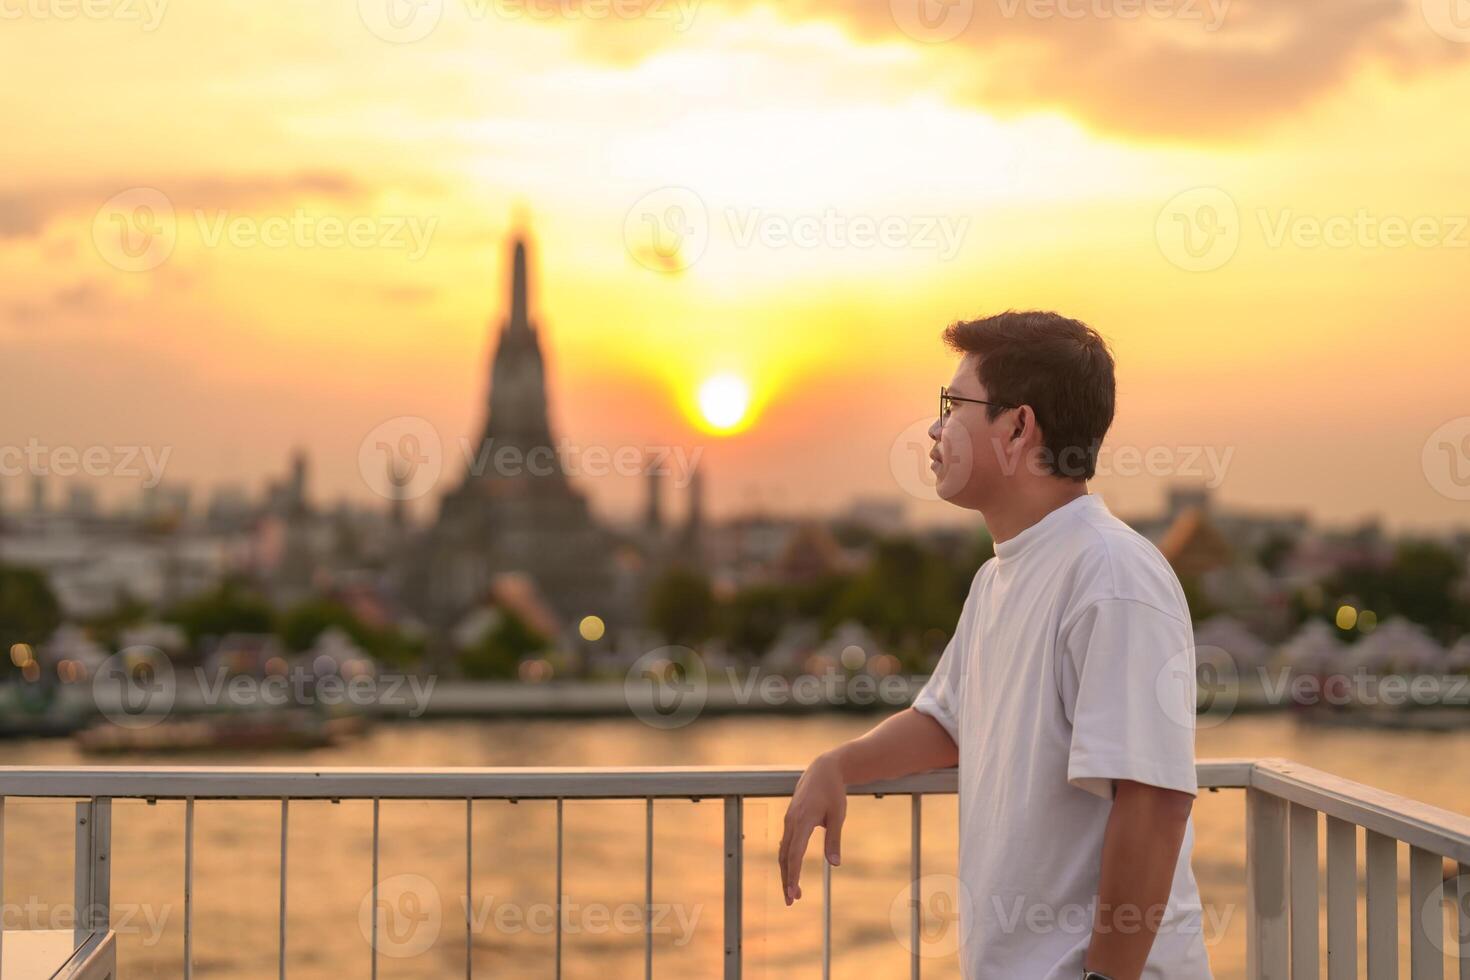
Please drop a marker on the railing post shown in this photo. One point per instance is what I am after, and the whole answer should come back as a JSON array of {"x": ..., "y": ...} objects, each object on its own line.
[
  {"x": 2, "y": 878},
  {"x": 734, "y": 884},
  {"x": 92, "y": 894},
  {"x": 1342, "y": 900},
  {"x": 1266, "y": 937},
  {"x": 1382, "y": 859},
  {"x": 1426, "y": 915},
  {"x": 1305, "y": 935}
]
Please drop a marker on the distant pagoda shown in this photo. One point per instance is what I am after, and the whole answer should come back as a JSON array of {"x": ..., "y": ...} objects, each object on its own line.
[{"x": 515, "y": 511}]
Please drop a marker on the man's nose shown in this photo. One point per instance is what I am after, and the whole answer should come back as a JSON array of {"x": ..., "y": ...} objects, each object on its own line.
[{"x": 936, "y": 429}]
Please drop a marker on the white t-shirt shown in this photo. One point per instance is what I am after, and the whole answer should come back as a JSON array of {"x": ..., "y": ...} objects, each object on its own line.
[{"x": 1072, "y": 666}]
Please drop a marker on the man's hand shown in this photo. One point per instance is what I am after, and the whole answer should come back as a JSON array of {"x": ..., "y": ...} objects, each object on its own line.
[
  {"x": 819, "y": 800},
  {"x": 905, "y": 743}
]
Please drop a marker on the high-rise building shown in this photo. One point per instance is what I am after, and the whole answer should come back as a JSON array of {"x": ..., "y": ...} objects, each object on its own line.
[{"x": 516, "y": 511}]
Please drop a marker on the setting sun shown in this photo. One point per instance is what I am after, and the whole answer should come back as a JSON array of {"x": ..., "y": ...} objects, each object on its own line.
[{"x": 724, "y": 402}]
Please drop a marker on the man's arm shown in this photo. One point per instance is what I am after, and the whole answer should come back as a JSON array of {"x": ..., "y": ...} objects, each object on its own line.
[
  {"x": 1140, "y": 852},
  {"x": 905, "y": 743}
]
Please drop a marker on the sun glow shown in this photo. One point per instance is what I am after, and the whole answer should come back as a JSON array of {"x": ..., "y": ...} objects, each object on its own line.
[{"x": 724, "y": 403}]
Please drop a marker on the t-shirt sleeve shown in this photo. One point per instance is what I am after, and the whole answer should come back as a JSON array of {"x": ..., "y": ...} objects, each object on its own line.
[
  {"x": 1127, "y": 686},
  {"x": 940, "y": 697}
]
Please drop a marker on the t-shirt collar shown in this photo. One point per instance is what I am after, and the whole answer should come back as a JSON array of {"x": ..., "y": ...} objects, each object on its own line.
[{"x": 1047, "y": 527}]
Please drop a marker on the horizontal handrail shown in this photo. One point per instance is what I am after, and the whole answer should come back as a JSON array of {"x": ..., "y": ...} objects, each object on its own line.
[
  {"x": 1418, "y": 824},
  {"x": 241, "y": 783}
]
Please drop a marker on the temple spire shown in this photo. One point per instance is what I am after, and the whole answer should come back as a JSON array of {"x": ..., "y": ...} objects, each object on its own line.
[{"x": 520, "y": 296}]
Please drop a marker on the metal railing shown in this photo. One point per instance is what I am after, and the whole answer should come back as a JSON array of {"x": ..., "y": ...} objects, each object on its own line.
[{"x": 1283, "y": 804}]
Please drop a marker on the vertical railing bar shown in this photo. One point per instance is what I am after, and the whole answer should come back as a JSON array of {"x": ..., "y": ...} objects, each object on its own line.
[
  {"x": 559, "y": 826},
  {"x": 1305, "y": 941},
  {"x": 1383, "y": 921},
  {"x": 281, "y": 940},
  {"x": 1462, "y": 920},
  {"x": 469, "y": 887},
  {"x": 1267, "y": 939},
  {"x": 826, "y": 919},
  {"x": 81, "y": 870},
  {"x": 648, "y": 890},
  {"x": 188, "y": 888},
  {"x": 376, "y": 912},
  {"x": 916, "y": 836},
  {"x": 734, "y": 884},
  {"x": 101, "y": 864},
  {"x": 1426, "y": 915},
  {"x": 1342, "y": 900},
  {"x": 2, "y": 876}
]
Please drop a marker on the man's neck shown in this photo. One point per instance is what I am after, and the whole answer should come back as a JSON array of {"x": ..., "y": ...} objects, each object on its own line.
[{"x": 1007, "y": 518}]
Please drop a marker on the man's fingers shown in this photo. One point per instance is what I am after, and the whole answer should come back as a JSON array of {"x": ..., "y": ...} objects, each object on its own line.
[
  {"x": 792, "y": 865},
  {"x": 834, "y": 840}
]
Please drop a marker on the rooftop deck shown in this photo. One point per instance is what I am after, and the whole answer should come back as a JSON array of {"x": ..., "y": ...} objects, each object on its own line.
[{"x": 1287, "y": 808}]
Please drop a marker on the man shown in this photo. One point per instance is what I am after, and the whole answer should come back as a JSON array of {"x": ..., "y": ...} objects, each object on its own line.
[{"x": 1066, "y": 696}]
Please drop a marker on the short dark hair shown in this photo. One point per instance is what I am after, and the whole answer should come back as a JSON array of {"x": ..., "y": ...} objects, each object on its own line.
[{"x": 1060, "y": 367}]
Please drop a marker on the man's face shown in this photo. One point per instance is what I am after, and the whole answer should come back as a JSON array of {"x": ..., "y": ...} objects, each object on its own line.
[{"x": 970, "y": 449}]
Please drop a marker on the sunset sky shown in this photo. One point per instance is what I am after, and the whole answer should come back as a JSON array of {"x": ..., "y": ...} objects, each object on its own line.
[{"x": 1262, "y": 205}]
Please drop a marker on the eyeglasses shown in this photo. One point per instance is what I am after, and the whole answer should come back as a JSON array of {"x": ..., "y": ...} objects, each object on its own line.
[{"x": 946, "y": 404}]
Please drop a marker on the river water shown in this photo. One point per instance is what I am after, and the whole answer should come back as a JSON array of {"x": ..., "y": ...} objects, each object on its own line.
[{"x": 511, "y": 913}]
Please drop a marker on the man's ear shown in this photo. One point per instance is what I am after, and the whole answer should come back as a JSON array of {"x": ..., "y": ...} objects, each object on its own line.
[{"x": 1025, "y": 418}]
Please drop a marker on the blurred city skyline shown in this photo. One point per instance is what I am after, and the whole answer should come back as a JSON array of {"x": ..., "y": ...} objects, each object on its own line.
[{"x": 310, "y": 243}]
